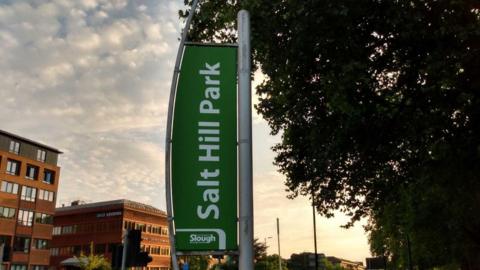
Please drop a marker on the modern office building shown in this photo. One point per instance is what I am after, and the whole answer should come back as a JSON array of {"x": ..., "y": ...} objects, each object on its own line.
[
  {"x": 28, "y": 186},
  {"x": 79, "y": 226}
]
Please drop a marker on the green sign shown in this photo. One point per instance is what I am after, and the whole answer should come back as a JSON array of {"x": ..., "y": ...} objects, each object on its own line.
[{"x": 204, "y": 150}]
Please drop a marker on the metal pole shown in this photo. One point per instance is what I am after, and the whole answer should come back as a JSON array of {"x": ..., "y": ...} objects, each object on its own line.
[
  {"x": 245, "y": 143},
  {"x": 124, "y": 251},
  {"x": 315, "y": 232},
  {"x": 410, "y": 264},
  {"x": 266, "y": 259},
  {"x": 278, "y": 238},
  {"x": 168, "y": 136}
]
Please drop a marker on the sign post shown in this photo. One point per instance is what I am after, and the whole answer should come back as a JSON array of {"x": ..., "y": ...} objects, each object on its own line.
[
  {"x": 245, "y": 143},
  {"x": 201, "y": 149}
]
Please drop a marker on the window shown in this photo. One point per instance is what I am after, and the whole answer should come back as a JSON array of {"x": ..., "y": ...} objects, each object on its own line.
[
  {"x": 69, "y": 229},
  {"x": 6, "y": 212},
  {"x": 54, "y": 251},
  {"x": 40, "y": 243},
  {"x": 21, "y": 244},
  {"x": 32, "y": 172},
  {"x": 14, "y": 147},
  {"x": 66, "y": 250},
  {"x": 28, "y": 194},
  {"x": 156, "y": 230},
  {"x": 164, "y": 231},
  {"x": 165, "y": 251},
  {"x": 155, "y": 250},
  {"x": 18, "y": 267},
  {"x": 13, "y": 167},
  {"x": 57, "y": 230},
  {"x": 9, "y": 187},
  {"x": 41, "y": 155},
  {"x": 25, "y": 217},
  {"x": 43, "y": 218},
  {"x": 39, "y": 267},
  {"x": 141, "y": 227},
  {"x": 128, "y": 225},
  {"x": 48, "y": 176},
  {"x": 45, "y": 195}
]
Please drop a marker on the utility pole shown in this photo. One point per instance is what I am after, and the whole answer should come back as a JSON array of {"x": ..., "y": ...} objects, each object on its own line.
[
  {"x": 245, "y": 143},
  {"x": 278, "y": 238},
  {"x": 314, "y": 231}
]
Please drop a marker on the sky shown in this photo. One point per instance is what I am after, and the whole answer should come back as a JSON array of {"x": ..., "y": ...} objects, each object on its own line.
[{"x": 92, "y": 78}]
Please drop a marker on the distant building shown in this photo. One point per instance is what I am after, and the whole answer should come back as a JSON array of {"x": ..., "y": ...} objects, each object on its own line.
[
  {"x": 350, "y": 265},
  {"x": 305, "y": 261},
  {"x": 28, "y": 187},
  {"x": 77, "y": 226}
]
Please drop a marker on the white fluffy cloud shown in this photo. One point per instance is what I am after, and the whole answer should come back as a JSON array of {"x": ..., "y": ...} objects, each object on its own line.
[{"x": 92, "y": 79}]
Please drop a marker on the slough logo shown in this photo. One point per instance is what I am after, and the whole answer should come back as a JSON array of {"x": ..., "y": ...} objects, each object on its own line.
[
  {"x": 205, "y": 236},
  {"x": 202, "y": 238}
]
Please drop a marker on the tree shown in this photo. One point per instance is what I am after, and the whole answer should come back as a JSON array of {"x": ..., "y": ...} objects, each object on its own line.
[
  {"x": 270, "y": 262},
  {"x": 330, "y": 266},
  {"x": 259, "y": 250},
  {"x": 378, "y": 106},
  {"x": 197, "y": 262},
  {"x": 260, "y": 258},
  {"x": 93, "y": 261}
]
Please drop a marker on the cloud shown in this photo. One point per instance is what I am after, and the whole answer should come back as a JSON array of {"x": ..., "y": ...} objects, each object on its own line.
[{"x": 83, "y": 75}]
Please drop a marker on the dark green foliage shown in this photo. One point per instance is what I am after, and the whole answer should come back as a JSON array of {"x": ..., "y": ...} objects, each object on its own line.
[
  {"x": 197, "y": 262},
  {"x": 259, "y": 250},
  {"x": 378, "y": 105}
]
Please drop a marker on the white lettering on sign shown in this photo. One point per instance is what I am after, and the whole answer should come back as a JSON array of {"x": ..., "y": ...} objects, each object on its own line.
[
  {"x": 202, "y": 238},
  {"x": 209, "y": 144},
  {"x": 109, "y": 214}
]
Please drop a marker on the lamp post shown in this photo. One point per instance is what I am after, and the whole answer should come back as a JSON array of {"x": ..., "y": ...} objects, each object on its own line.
[
  {"x": 278, "y": 238},
  {"x": 314, "y": 231}
]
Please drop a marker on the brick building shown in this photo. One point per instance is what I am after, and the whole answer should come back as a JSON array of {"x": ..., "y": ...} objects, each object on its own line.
[
  {"x": 28, "y": 186},
  {"x": 77, "y": 226}
]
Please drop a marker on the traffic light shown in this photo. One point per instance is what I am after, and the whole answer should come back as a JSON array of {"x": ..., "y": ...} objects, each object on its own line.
[
  {"x": 117, "y": 256},
  {"x": 136, "y": 257},
  {"x": 133, "y": 246},
  {"x": 142, "y": 259}
]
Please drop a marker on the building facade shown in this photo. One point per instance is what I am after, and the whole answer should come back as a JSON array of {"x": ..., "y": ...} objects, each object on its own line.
[
  {"x": 79, "y": 227},
  {"x": 306, "y": 261},
  {"x": 346, "y": 264},
  {"x": 28, "y": 187}
]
